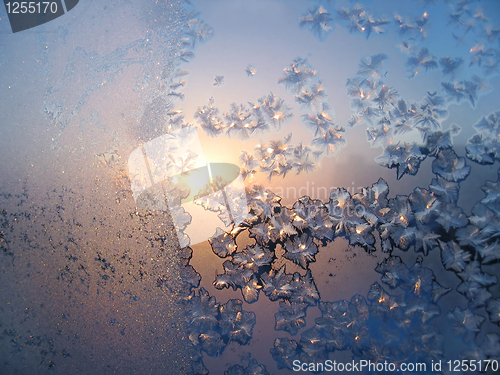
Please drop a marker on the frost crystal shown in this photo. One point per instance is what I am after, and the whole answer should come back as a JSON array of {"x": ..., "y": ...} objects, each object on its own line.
[
  {"x": 297, "y": 75},
  {"x": 484, "y": 146},
  {"x": 465, "y": 323},
  {"x": 319, "y": 21}
]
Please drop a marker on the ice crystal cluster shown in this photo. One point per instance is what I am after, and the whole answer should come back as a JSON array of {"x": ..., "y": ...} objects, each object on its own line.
[
  {"x": 279, "y": 157},
  {"x": 396, "y": 320},
  {"x": 243, "y": 121}
]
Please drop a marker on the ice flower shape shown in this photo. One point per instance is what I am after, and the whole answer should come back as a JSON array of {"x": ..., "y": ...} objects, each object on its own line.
[
  {"x": 490, "y": 253},
  {"x": 492, "y": 198},
  {"x": 297, "y": 75},
  {"x": 276, "y": 284},
  {"x": 406, "y": 158},
  {"x": 401, "y": 117},
  {"x": 279, "y": 157},
  {"x": 232, "y": 276},
  {"x": 462, "y": 90},
  {"x": 416, "y": 63},
  {"x": 371, "y": 66},
  {"x": 290, "y": 317},
  {"x": 248, "y": 164},
  {"x": 428, "y": 114},
  {"x": 235, "y": 323},
  {"x": 198, "y": 31},
  {"x": 253, "y": 368},
  {"x": 374, "y": 200},
  {"x": 238, "y": 121},
  {"x": 237, "y": 276},
  {"x": 493, "y": 308},
  {"x": 486, "y": 221},
  {"x": 320, "y": 121},
  {"x": 333, "y": 325},
  {"x": 201, "y": 316},
  {"x": 386, "y": 97},
  {"x": 352, "y": 16},
  {"x": 312, "y": 97},
  {"x": 312, "y": 216},
  {"x": 371, "y": 24},
  {"x": 386, "y": 327},
  {"x": 250, "y": 290},
  {"x": 304, "y": 289},
  {"x": 201, "y": 310},
  {"x": 440, "y": 140},
  {"x": 261, "y": 203},
  {"x": 253, "y": 257},
  {"x": 223, "y": 244},
  {"x": 250, "y": 70},
  {"x": 342, "y": 213},
  {"x": 465, "y": 323},
  {"x": 319, "y": 21},
  {"x": 312, "y": 346},
  {"x": 488, "y": 349},
  {"x": 383, "y": 305},
  {"x": 301, "y": 162},
  {"x": 415, "y": 27},
  {"x": 474, "y": 281},
  {"x": 422, "y": 282},
  {"x": 281, "y": 221},
  {"x": 380, "y": 135},
  {"x": 447, "y": 191},
  {"x": 209, "y": 119},
  {"x": 357, "y": 19},
  {"x": 484, "y": 146},
  {"x": 399, "y": 224},
  {"x": 363, "y": 88},
  {"x": 284, "y": 352},
  {"x": 453, "y": 256},
  {"x": 450, "y": 65},
  {"x": 331, "y": 140},
  {"x": 393, "y": 271},
  {"x": 425, "y": 205},
  {"x": 277, "y": 229},
  {"x": 275, "y": 110},
  {"x": 218, "y": 81},
  {"x": 301, "y": 250},
  {"x": 451, "y": 216},
  {"x": 214, "y": 201}
]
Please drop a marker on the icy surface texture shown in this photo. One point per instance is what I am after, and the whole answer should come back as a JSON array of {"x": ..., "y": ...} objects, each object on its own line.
[{"x": 396, "y": 320}]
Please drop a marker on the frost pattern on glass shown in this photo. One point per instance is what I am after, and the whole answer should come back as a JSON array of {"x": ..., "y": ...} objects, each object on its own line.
[{"x": 394, "y": 322}]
